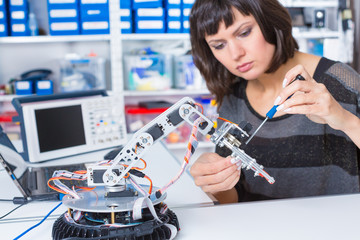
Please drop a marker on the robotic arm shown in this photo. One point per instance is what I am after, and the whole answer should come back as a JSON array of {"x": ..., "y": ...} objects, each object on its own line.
[
  {"x": 157, "y": 129},
  {"x": 229, "y": 135}
]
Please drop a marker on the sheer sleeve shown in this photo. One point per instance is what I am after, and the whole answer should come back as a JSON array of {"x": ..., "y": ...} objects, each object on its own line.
[{"x": 349, "y": 78}]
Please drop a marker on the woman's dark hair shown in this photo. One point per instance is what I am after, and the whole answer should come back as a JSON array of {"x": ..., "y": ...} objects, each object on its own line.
[{"x": 205, "y": 18}]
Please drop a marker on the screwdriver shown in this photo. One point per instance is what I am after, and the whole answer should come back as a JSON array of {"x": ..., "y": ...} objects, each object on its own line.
[{"x": 270, "y": 114}]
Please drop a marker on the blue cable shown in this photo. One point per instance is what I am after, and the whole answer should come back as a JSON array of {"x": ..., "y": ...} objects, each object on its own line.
[{"x": 36, "y": 225}]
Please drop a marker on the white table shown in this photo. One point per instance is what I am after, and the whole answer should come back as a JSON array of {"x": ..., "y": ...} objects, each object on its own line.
[
  {"x": 315, "y": 218},
  {"x": 330, "y": 218}
]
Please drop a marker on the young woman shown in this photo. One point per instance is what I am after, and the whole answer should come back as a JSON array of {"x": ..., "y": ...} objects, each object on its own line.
[{"x": 248, "y": 57}]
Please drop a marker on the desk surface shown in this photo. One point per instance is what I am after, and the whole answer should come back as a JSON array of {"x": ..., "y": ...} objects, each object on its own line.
[{"x": 330, "y": 218}]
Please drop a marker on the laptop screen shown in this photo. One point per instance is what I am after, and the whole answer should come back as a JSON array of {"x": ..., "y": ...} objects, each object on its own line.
[{"x": 33, "y": 181}]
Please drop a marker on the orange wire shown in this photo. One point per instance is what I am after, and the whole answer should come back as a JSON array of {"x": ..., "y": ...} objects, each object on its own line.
[
  {"x": 84, "y": 172},
  {"x": 151, "y": 184},
  {"x": 64, "y": 178},
  {"x": 202, "y": 108},
  {"x": 137, "y": 168},
  {"x": 226, "y": 120},
  {"x": 55, "y": 188},
  {"x": 86, "y": 188}
]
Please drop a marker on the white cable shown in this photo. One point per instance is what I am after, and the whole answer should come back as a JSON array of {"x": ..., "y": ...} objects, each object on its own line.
[
  {"x": 138, "y": 187},
  {"x": 137, "y": 209}
]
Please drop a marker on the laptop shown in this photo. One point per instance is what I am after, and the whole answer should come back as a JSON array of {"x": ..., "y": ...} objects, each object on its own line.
[{"x": 32, "y": 180}]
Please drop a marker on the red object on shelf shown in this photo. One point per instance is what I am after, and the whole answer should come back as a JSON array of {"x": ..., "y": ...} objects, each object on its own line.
[
  {"x": 7, "y": 116},
  {"x": 142, "y": 110}
]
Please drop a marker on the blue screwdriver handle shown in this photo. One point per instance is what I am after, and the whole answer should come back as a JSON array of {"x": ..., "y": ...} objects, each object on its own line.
[{"x": 270, "y": 114}]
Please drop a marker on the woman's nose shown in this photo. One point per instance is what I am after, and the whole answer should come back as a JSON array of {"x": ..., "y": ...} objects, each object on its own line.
[{"x": 236, "y": 50}]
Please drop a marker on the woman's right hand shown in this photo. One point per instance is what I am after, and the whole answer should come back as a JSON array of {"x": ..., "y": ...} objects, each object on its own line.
[{"x": 214, "y": 173}]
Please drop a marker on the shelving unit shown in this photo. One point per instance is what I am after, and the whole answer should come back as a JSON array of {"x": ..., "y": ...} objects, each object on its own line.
[
  {"x": 172, "y": 92},
  {"x": 299, "y": 34},
  {"x": 45, "y": 50},
  {"x": 117, "y": 42},
  {"x": 54, "y": 39},
  {"x": 310, "y": 3}
]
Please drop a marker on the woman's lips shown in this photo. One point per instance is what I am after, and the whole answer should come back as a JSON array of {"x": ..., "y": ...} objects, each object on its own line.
[{"x": 245, "y": 67}]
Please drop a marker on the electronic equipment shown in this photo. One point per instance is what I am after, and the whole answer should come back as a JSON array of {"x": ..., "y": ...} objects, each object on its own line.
[
  {"x": 60, "y": 127},
  {"x": 119, "y": 207},
  {"x": 30, "y": 179},
  {"x": 34, "y": 81},
  {"x": 319, "y": 18},
  {"x": 36, "y": 74},
  {"x": 297, "y": 16},
  {"x": 69, "y": 127},
  {"x": 32, "y": 183}
]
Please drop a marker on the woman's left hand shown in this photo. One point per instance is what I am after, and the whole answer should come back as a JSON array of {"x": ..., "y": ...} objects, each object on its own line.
[{"x": 311, "y": 99}]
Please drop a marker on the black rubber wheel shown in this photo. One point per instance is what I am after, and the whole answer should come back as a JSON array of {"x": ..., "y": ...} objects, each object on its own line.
[{"x": 148, "y": 229}]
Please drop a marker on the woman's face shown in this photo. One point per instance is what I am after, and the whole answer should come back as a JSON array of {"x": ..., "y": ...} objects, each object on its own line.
[{"x": 241, "y": 47}]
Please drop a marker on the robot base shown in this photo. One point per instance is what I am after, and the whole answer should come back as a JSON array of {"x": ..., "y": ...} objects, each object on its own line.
[
  {"x": 147, "y": 229},
  {"x": 99, "y": 216}
]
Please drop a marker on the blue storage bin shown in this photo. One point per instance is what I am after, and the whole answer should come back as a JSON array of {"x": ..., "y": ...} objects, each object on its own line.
[
  {"x": 150, "y": 14},
  {"x": 174, "y": 26},
  {"x": 94, "y": 3},
  {"x": 95, "y": 27},
  {"x": 172, "y": 3},
  {"x": 126, "y": 21},
  {"x": 94, "y": 10},
  {"x": 126, "y": 14},
  {"x": 3, "y": 15},
  {"x": 3, "y": 19},
  {"x": 148, "y": 4},
  {"x": 2, "y": 4},
  {"x": 63, "y": 4},
  {"x": 126, "y": 4},
  {"x": 44, "y": 87},
  {"x": 64, "y": 28},
  {"x": 94, "y": 16},
  {"x": 23, "y": 87},
  {"x": 16, "y": 5},
  {"x": 185, "y": 20},
  {"x": 94, "y": 13},
  {"x": 126, "y": 26},
  {"x": 19, "y": 29},
  {"x": 3, "y": 30},
  {"x": 150, "y": 20},
  {"x": 150, "y": 26},
  {"x": 173, "y": 20},
  {"x": 63, "y": 15},
  {"x": 173, "y": 14},
  {"x": 18, "y": 16},
  {"x": 188, "y": 3}
]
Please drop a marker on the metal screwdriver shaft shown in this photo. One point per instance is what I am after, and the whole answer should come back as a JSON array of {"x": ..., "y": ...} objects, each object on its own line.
[
  {"x": 270, "y": 114},
  {"x": 256, "y": 130}
]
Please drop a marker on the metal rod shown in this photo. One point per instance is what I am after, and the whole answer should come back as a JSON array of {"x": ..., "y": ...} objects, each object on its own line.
[{"x": 256, "y": 130}]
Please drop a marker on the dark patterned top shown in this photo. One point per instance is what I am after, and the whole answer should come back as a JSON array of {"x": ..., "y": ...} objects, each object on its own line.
[{"x": 305, "y": 158}]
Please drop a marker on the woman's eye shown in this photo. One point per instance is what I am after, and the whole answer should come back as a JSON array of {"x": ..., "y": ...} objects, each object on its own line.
[
  {"x": 245, "y": 33},
  {"x": 218, "y": 46}
]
